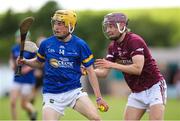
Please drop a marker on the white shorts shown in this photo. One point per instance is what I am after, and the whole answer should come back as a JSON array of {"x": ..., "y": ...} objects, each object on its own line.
[
  {"x": 60, "y": 101},
  {"x": 24, "y": 88},
  {"x": 157, "y": 94}
]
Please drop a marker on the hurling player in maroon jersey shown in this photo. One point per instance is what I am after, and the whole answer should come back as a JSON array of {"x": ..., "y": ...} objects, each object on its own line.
[{"x": 128, "y": 52}]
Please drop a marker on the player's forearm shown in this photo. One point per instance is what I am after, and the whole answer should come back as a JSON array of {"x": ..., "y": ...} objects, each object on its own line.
[
  {"x": 95, "y": 85},
  {"x": 130, "y": 69},
  {"x": 34, "y": 63},
  {"x": 94, "y": 82}
]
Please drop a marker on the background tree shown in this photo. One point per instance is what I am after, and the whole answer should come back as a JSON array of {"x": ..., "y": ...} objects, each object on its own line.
[{"x": 159, "y": 27}]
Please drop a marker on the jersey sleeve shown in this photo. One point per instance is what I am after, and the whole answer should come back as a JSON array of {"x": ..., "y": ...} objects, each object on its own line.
[
  {"x": 41, "y": 52},
  {"x": 12, "y": 52},
  {"x": 137, "y": 47},
  {"x": 110, "y": 55},
  {"x": 15, "y": 51},
  {"x": 87, "y": 57},
  {"x": 30, "y": 55}
]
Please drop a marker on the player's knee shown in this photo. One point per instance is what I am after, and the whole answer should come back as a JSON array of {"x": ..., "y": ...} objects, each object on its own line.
[
  {"x": 13, "y": 104},
  {"x": 156, "y": 112},
  {"x": 23, "y": 105},
  {"x": 156, "y": 117}
]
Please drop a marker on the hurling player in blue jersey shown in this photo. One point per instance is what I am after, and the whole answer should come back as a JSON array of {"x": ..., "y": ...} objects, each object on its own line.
[
  {"x": 62, "y": 55},
  {"x": 22, "y": 85}
]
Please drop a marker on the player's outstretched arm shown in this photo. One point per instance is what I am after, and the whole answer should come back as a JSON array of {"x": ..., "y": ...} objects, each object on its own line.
[
  {"x": 135, "y": 68},
  {"x": 34, "y": 63},
  {"x": 95, "y": 85},
  {"x": 100, "y": 72}
]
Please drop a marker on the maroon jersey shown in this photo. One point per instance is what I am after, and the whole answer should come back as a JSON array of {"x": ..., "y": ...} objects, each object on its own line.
[{"x": 123, "y": 52}]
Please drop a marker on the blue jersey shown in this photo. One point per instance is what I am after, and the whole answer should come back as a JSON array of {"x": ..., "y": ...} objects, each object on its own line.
[
  {"x": 62, "y": 63},
  {"x": 28, "y": 77}
]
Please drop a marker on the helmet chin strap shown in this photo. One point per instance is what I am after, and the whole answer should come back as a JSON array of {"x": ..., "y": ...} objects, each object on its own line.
[
  {"x": 119, "y": 37},
  {"x": 121, "y": 31},
  {"x": 70, "y": 29}
]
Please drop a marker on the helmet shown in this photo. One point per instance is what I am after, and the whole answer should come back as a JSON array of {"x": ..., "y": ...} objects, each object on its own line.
[
  {"x": 114, "y": 19},
  {"x": 69, "y": 17}
]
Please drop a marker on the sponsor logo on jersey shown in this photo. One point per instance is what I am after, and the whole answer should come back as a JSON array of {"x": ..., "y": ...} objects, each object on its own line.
[
  {"x": 54, "y": 63},
  {"x": 63, "y": 63},
  {"x": 124, "y": 62}
]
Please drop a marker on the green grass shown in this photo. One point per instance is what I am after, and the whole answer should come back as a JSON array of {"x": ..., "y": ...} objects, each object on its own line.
[{"x": 115, "y": 112}]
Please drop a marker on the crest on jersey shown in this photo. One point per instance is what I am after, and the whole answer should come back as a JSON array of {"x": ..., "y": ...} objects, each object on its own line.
[{"x": 53, "y": 62}]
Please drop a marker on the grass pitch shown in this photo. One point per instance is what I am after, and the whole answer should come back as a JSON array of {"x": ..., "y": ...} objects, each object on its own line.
[{"x": 115, "y": 112}]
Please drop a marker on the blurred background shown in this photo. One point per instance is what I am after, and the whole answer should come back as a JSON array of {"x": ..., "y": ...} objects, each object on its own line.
[{"x": 157, "y": 21}]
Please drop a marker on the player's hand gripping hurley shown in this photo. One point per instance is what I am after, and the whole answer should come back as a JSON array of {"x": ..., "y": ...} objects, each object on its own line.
[{"x": 24, "y": 28}]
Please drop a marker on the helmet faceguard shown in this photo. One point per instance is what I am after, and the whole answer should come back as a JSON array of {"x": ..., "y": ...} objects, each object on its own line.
[
  {"x": 115, "y": 19},
  {"x": 68, "y": 17}
]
